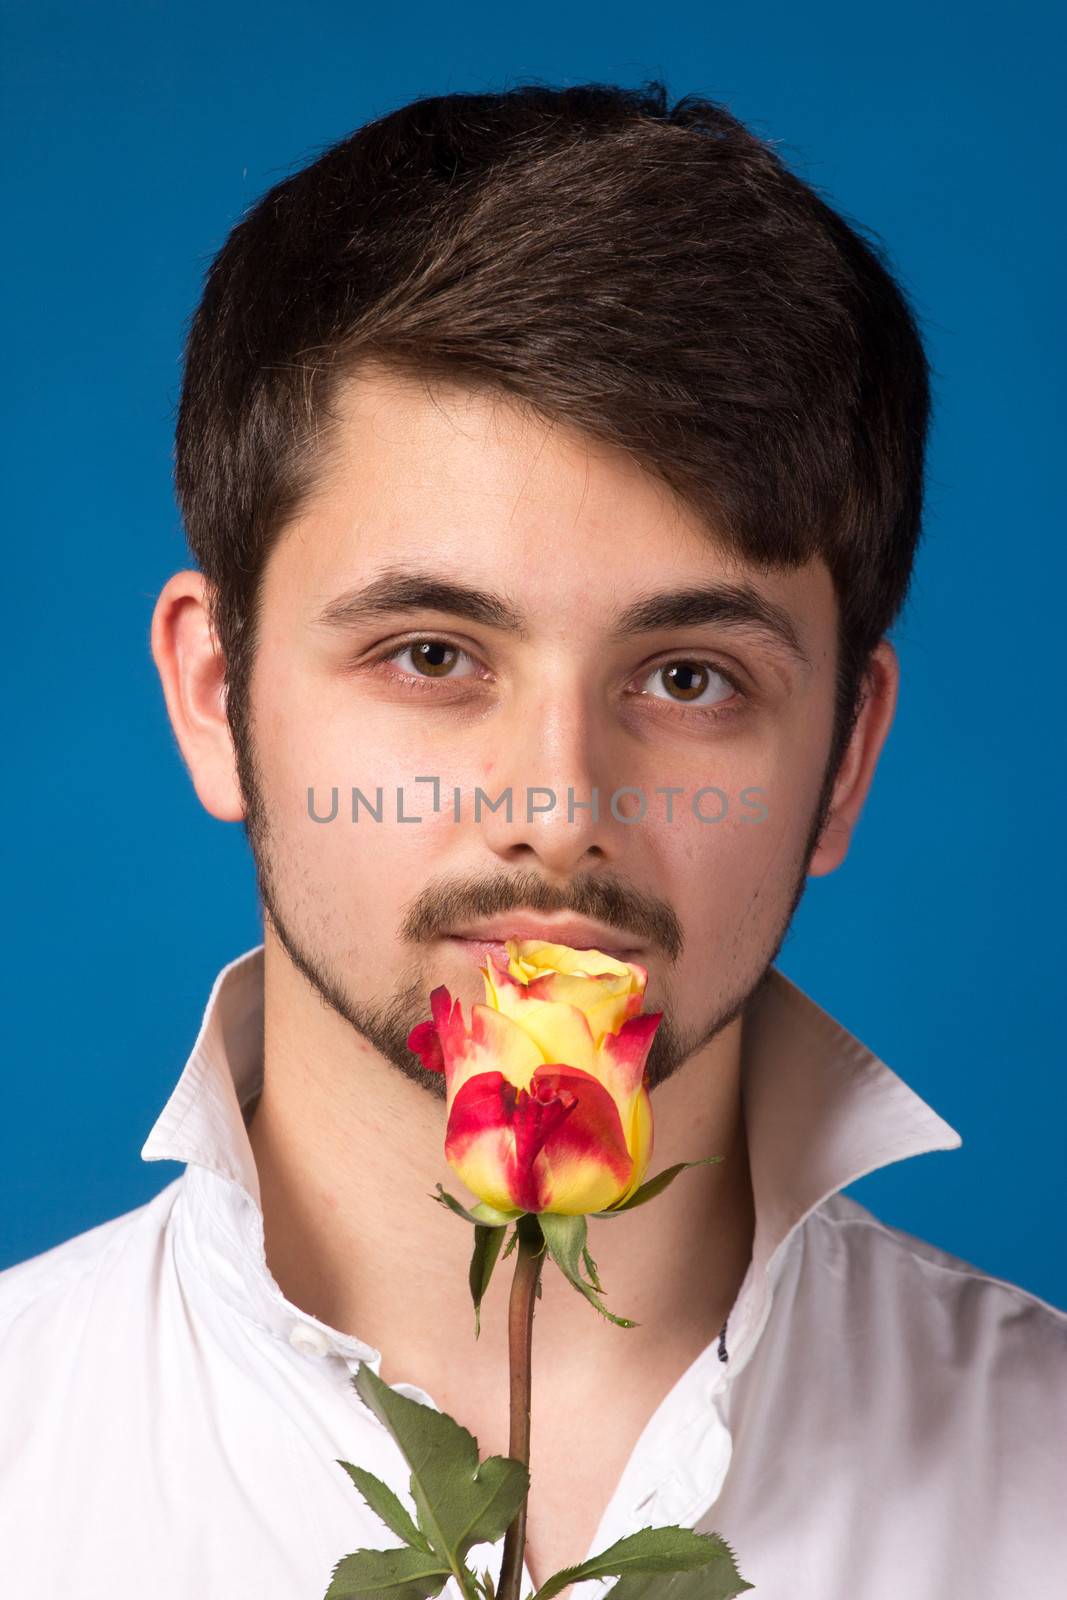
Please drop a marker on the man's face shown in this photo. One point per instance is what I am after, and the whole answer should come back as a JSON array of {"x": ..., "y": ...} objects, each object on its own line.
[{"x": 547, "y": 679}]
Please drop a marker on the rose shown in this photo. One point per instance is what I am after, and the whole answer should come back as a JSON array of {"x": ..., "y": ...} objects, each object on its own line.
[
  {"x": 548, "y": 1120},
  {"x": 547, "y": 1106}
]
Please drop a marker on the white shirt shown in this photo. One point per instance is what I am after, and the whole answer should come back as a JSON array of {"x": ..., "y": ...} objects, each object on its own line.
[{"x": 879, "y": 1419}]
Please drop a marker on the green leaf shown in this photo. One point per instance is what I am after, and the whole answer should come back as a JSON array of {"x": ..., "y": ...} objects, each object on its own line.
[
  {"x": 404, "y": 1574},
  {"x": 384, "y": 1503},
  {"x": 488, "y": 1586},
  {"x": 565, "y": 1237},
  {"x": 460, "y": 1501},
  {"x": 487, "y": 1242},
  {"x": 702, "y": 1566},
  {"x": 719, "y": 1580},
  {"x": 654, "y": 1186},
  {"x": 512, "y": 1242}
]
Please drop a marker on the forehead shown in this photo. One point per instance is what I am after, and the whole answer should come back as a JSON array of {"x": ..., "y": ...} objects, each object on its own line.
[{"x": 477, "y": 487}]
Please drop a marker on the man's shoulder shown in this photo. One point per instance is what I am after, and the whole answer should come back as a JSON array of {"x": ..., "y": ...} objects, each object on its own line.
[
  {"x": 42, "y": 1287},
  {"x": 929, "y": 1297}
]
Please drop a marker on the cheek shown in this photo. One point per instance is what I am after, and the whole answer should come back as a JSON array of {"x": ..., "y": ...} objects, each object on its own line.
[
  {"x": 348, "y": 860},
  {"x": 730, "y": 878},
  {"x": 717, "y": 845}
]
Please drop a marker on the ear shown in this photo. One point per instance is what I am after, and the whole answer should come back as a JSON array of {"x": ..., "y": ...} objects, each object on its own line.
[
  {"x": 192, "y": 671},
  {"x": 859, "y": 761}
]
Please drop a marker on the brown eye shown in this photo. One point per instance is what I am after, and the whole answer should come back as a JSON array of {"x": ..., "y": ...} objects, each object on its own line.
[
  {"x": 433, "y": 658},
  {"x": 687, "y": 682},
  {"x": 429, "y": 659}
]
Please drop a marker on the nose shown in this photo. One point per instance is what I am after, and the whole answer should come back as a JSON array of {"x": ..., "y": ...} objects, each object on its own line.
[{"x": 554, "y": 760}]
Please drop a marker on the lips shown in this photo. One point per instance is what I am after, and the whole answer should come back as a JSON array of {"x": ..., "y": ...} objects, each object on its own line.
[{"x": 577, "y": 933}]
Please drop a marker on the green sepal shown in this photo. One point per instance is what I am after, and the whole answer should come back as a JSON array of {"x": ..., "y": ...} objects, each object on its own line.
[
  {"x": 482, "y": 1214},
  {"x": 700, "y": 1566},
  {"x": 460, "y": 1501},
  {"x": 591, "y": 1272},
  {"x": 565, "y": 1237},
  {"x": 492, "y": 1216},
  {"x": 654, "y": 1186},
  {"x": 487, "y": 1243},
  {"x": 488, "y": 1586},
  {"x": 404, "y": 1574},
  {"x": 384, "y": 1503}
]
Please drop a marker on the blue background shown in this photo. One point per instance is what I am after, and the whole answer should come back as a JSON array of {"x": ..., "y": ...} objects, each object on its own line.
[{"x": 134, "y": 138}]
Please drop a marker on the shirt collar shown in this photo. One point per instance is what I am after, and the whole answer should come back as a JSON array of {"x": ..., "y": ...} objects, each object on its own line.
[
  {"x": 203, "y": 1122},
  {"x": 821, "y": 1110}
]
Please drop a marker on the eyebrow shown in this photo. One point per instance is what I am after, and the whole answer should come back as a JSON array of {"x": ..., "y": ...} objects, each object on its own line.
[{"x": 729, "y": 605}]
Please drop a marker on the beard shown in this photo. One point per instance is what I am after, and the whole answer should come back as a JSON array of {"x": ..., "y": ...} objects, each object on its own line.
[{"x": 386, "y": 1023}]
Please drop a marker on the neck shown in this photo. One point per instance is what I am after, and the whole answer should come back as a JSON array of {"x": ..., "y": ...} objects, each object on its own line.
[{"x": 349, "y": 1151}]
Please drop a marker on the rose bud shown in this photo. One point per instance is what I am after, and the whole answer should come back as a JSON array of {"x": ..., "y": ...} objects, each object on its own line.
[{"x": 547, "y": 1108}]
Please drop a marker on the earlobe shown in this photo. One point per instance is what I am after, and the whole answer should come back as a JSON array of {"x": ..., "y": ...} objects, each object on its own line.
[
  {"x": 192, "y": 672},
  {"x": 860, "y": 760}
]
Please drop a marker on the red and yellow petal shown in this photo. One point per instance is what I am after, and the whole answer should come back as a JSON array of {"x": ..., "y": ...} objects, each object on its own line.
[
  {"x": 560, "y": 1032},
  {"x": 558, "y": 1146},
  {"x": 532, "y": 957},
  {"x": 608, "y": 1015},
  {"x": 538, "y": 970},
  {"x": 496, "y": 1134},
  {"x": 585, "y": 1164},
  {"x": 480, "y": 1141},
  {"x": 639, "y": 1142},
  {"x": 493, "y": 1043},
  {"x": 621, "y": 1056}
]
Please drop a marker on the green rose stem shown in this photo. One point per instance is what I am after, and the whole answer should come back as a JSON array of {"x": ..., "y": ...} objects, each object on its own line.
[{"x": 525, "y": 1288}]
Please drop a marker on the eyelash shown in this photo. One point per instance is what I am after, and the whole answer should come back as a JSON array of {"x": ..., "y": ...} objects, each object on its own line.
[{"x": 423, "y": 685}]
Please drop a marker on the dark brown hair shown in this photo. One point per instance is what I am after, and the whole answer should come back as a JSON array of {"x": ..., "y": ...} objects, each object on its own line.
[{"x": 651, "y": 274}]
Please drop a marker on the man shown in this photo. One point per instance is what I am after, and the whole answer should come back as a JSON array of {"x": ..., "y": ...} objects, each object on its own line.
[{"x": 553, "y": 464}]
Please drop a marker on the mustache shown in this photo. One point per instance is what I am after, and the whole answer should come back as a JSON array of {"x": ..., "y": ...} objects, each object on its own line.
[{"x": 620, "y": 907}]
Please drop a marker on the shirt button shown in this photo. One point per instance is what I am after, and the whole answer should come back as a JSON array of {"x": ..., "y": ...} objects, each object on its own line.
[{"x": 311, "y": 1341}]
